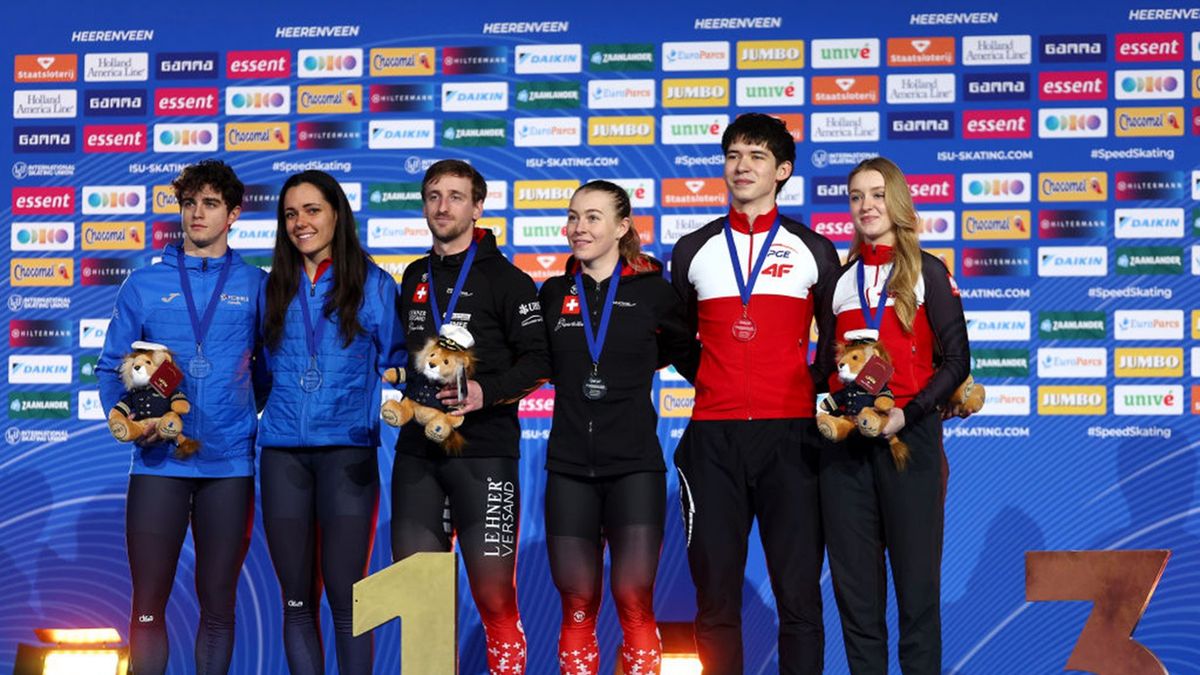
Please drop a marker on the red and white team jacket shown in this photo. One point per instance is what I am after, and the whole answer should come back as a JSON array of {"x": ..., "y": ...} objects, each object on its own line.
[
  {"x": 767, "y": 377},
  {"x": 934, "y": 358}
]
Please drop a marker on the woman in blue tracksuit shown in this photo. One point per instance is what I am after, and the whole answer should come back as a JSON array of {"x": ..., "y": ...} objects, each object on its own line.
[
  {"x": 331, "y": 329},
  {"x": 201, "y": 302}
]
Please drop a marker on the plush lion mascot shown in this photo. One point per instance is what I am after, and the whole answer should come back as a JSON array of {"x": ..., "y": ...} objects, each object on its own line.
[
  {"x": 857, "y": 407},
  {"x": 445, "y": 360},
  {"x": 152, "y": 398}
]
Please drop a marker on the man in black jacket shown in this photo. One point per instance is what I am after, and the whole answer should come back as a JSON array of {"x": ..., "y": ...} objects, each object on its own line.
[{"x": 467, "y": 282}]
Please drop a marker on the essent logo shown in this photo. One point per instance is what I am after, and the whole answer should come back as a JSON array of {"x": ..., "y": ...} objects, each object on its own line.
[
  {"x": 114, "y": 138},
  {"x": 540, "y": 403},
  {"x": 258, "y": 64},
  {"x": 1083, "y": 85},
  {"x": 40, "y": 201},
  {"x": 996, "y": 225},
  {"x": 189, "y": 101},
  {"x": 931, "y": 188},
  {"x": 1060, "y": 400},
  {"x": 980, "y": 124},
  {"x": 995, "y": 187},
  {"x": 1073, "y": 186},
  {"x": 836, "y": 227},
  {"x": 1149, "y": 47},
  {"x": 329, "y": 63},
  {"x": 185, "y": 137}
]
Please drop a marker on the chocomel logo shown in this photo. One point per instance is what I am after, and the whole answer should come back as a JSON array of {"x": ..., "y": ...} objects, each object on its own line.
[
  {"x": 41, "y": 272},
  {"x": 770, "y": 54},
  {"x": 1148, "y": 399},
  {"x": 396, "y": 62},
  {"x": 112, "y": 236},
  {"x": 1056, "y": 400},
  {"x": 1073, "y": 186},
  {"x": 1149, "y": 121},
  {"x": 1148, "y": 362},
  {"x": 676, "y": 401},
  {"x": 695, "y": 93},
  {"x": 543, "y": 194},
  {"x": 257, "y": 136},
  {"x": 637, "y": 130},
  {"x": 985, "y": 225},
  {"x": 338, "y": 98}
]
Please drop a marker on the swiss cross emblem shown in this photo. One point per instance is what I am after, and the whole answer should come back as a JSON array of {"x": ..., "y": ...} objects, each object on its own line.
[
  {"x": 421, "y": 294},
  {"x": 570, "y": 304}
]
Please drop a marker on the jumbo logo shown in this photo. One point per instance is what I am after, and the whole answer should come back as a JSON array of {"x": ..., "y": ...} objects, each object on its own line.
[
  {"x": 191, "y": 101},
  {"x": 45, "y": 68},
  {"x": 694, "y": 192},
  {"x": 114, "y": 138},
  {"x": 258, "y": 64},
  {"x": 113, "y": 236},
  {"x": 543, "y": 194},
  {"x": 1149, "y": 121},
  {"x": 163, "y": 199},
  {"x": 996, "y": 225},
  {"x": 1149, "y": 47},
  {"x": 1072, "y": 123},
  {"x": 329, "y": 63},
  {"x": 396, "y": 264},
  {"x": 676, "y": 401},
  {"x": 257, "y": 136},
  {"x": 995, "y": 187},
  {"x": 258, "y": 100},
  {"x": 114, "y": 199},
  {"x": 1149, "y": 84},
  {"x": 43, "y": 201},
  {"x": 936, "y": 51},
  {"x": 845, "y": 90},
  {"x": 1059, "y": 400},
  {"x": 770, "y": 54},
  {"x": 1073, "y": 186},
  {"x": 637, "y": 130},
  {"x": 41, "y": 272},
  {"x": 1082, "y": 85},
  {"x": 185, "y": 137},
  {"x": 1148, "y": 362},
  {"x": 396, "y": 62},
  {"x": 695, "y": 93},
  {"x": 340, "y": 98}
]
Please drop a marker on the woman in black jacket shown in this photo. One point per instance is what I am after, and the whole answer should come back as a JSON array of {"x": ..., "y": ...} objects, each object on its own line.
[{"x": 612, "y": 320}]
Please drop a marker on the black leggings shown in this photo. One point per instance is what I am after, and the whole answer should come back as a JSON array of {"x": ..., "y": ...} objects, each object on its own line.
[
  {"x": 157, "y": 512},
  {"x": 479, "y": 500},
  {"x": 319, "y": 507},
  {"x": 581, "y": 514}
]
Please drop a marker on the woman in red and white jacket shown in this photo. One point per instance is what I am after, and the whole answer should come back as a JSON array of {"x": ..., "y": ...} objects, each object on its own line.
[{"x": 868, "y": 505}]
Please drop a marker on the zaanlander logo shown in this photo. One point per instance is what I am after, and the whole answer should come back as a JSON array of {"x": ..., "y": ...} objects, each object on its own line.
[
  {"x": 933, "y": 88},
  {"x": 1137, "y": 260},
  {"x": 1148, "y": 223},
  {"x": 40, "y": 369},
  {"x": 1081, "y": 85},
  {"x": 995, "y": 187},
  {"x": 846, "y": 53},
  {"x": 44, "y": 103},
  {"x": 676, "y": 401},
  {"x": 936, "y": 225},
  {"x": 986, "y": 225},
  {"x": 549, "y": 58},
  {"x": 335, "y": 98},
  {"x": 1072, "y": 325},
  {"x": 625, "y": 56},
  {"x": 474, "y": 133},
  {"x": 475, "y": 96},
  {"x": 398, "y": 233},
  {"x": 1149, "y": 84},
  {"x": 539, "y": 231},
  {"x": 112, "y": 235},
  {"x": 398, "y": 62},
  {"x": 1006, "y": 400},
  {"x": 1000, "y": 362},
  {"x": 185, "y": 137},
  {"x": 1059, "y": 400},
  {"x": 1148, "y": 362},
  {"x": 1149, "y": 47},
  {"x": 1074, "y": 362},
  {"x": 621, "y": 130},
  {"x": 988, "y": 326},
  {"x": 394, "y": 196},
  {"x": 123, "y": 67},
  {"x": 1072, "y": 223},
  {"x": 922, "y": 51},
  {"x": 771, "y": 91},
  {"x": 1073, "y": 186},
  {"x": 329, "y": 63},
  {"x": 540, "y": 95},
  {"x": 995, "y": 86},
  {"x": 1149, "y": 121},
  {"x": 1072, "y": 48},
  {"x": 621, "y": 94},
  {"x": 1072, "y": 261},
  {"x": 398, "y": 134},
  {"x": 27, "y": 405},
  {"x": 770, "y": 54},
  {"x": 257, "y": 136},
  {"x": 543, "y": 194},
  {"x": 844, "y": 127},
  {"x": 262, "y": 64},
  {"x": 1148, "y": 399},
  {"x": 1146, "y": 324},
  {"x": 695, "y": 93},
  {"x": 695, "y": 56},
  {"x": 114, "y": 199},
  {"x": 996, "y": 50},
  {"x": 1072, "y": 123},
  {"x": 693, "y": 129}
]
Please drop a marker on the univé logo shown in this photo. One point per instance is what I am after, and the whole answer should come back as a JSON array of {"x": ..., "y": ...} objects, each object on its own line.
[
  {"x": 344, "y": 98},
  {"x": 330, "y": 62},
  {"x": 185, "y": 137},
  {"x": 1147, "y": 399},
  {"x": 995, "y": 187},
  {"x": 1149, "y": 84},
  {"x": 846, "y": 53}
]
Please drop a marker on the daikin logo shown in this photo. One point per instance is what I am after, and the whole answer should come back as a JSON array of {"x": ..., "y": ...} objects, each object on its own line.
[
  {"x": 1072, "y": 123},
  {"x": 998, "y": 326},
  {"x": 995, "y": 187},
  {"x": 257, "y": 100},
  {"x": 475, "y": 96},
  {"x": 1149, "y": 84},
  {"x": 185, "y": 137},
  {"x": 549, "y": 59},
  {"x": 400, "y": 134},
  {"x": 41, "y": 369},
  {"x": 1072, "y": 261},
  {"x": 330, "y": 63},
  {"x": 1149, "y": 223},
  {"x": 114, "y": 199}
]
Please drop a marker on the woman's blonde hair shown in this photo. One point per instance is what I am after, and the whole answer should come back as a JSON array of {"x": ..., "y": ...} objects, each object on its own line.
[{"x": 906, "y": 251}]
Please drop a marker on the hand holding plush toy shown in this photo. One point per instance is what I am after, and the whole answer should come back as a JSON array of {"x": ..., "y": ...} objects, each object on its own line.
[
  {"x": 865, "y": 400},
  {"x": 152, "y": 398},
  {"x": 966, "y": 400},
  {"x": 445, "y": 360}
]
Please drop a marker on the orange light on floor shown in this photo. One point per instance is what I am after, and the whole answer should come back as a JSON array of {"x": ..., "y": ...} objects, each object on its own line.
[
  {"x": 73, "y": 651},
  {"x": 679, "y": 655}
]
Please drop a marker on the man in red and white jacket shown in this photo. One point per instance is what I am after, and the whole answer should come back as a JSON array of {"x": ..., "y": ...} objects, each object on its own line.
[{"x": 752, "y": 282}]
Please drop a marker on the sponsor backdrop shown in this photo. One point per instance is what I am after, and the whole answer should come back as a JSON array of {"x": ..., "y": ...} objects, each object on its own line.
[{"x": 1054, "y": 162}]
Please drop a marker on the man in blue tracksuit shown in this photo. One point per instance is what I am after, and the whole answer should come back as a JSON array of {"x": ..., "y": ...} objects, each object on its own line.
[{"x": 202, "y": 303}]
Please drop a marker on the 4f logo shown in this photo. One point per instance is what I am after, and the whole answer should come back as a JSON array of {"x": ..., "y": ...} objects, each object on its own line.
[
  {"x": 421, "y": 294},
  {"x": 777, "y": 270},
  {"x": 570, "y": 305}
]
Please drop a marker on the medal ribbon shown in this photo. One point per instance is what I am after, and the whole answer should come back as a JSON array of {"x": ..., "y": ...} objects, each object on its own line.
[
  {"x": 438, "y": 317},
  {"x": 873, "y": 319},
  {"x": 200, "y": 325},
  {"x": 746, "y": 288},
  {"x": 312, "y": 334},
  {"x": 595, "y": 341}
]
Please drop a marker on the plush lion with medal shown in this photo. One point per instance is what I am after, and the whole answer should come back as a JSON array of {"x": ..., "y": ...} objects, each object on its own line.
[
  {"x": 152, "y": 398},
  {"x": 445, "y": 360},
  {"x": 865, "y": 400}
]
